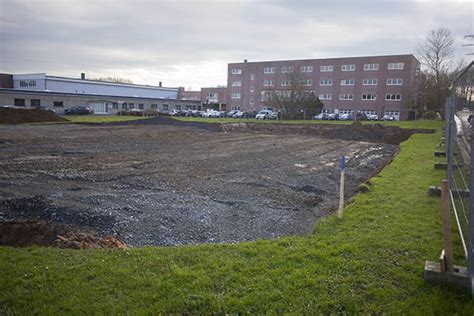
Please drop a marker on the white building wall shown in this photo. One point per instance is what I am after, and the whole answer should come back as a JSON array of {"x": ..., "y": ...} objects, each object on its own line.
[{"x": 42, "y": 82}]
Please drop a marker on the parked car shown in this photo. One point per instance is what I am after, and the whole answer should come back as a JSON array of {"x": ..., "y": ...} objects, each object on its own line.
[
  {"x": 43, "y": 108},
  {"x": 79, "y": 110},
  {"x": 238, "y": 114},
  {"x": 387, "y": 117},
  {"x": 372, "y": 117},
  {"x": 360, "y": 116},
  {"x": 231, "y": 113},
  {"x": 321, "y": 117},
  {"x": 249, "y": 114},
  {"x": 273, "y": 116},
  {"x": 333, "y": 116},
  {"x": 345, "y": 117},
  {"x": 263, "y": 115}
]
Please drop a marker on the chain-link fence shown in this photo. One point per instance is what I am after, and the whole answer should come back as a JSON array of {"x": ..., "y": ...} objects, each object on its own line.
[{"x": 459, "y": 142}]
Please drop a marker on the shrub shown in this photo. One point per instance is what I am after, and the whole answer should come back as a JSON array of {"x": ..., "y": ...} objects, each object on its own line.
[{"x": 430, "y": 115}]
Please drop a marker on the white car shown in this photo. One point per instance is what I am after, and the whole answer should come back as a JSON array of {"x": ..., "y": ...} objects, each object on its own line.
[
  {"x": 263, "y": 114},
  {"x": 372, "y": 117},
  {"x": 237, "y": 114}
]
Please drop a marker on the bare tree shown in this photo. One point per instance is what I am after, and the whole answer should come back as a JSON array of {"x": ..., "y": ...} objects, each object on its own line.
[
  {"x": 293, "y": 101},
  {"x": 436, "y": 53}
]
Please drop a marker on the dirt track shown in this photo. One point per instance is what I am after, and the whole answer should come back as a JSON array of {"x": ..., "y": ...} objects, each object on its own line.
[{"x": 170, "y": 185}]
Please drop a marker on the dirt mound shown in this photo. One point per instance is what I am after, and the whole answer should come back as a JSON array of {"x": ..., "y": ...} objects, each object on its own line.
[
  {"x": 19, "y": 116},
  {"x": 375, "y": 133},
  {"x": 165, "y": 120},
  {"x": 21, "y": 233}
]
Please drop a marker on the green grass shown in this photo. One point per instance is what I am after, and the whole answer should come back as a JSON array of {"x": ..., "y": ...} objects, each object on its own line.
[
  {"x": 371, "y": 263},
  {"x": 403, "y": 124},
  {"x": 101, "y": 118}
]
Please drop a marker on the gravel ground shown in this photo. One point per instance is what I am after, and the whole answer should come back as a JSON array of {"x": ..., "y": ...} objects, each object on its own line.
[{"x": 172, "y": 185}]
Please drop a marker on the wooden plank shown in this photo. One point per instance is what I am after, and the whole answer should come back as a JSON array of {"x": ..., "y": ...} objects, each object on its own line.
[{"x": 447, "y": 237}]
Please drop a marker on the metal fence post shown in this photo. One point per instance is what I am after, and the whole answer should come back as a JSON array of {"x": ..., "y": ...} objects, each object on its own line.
[{"x": 470, "y": 242}]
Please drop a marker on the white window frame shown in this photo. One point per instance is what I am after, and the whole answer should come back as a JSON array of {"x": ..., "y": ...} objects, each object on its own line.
[
  {"x": 346, "y": 97},
  {"x": 371, "y": 67},
  {"x": 236, "y": 71},
  {"x": 252, "y": 89},
  {"x": 326, "y": 68},
  {"x": 349, "y": 67},
  {"x": 325, "y": 96},
  {"x": 325, "y": 82},
  {"x": 397, "y": 97},
  {"x": 269, "y": 83},
  {"x": 287, "y": 69},
  {"x": 394, "y": 81},
  {"x": 306, "y": 82},
  {"x": 286, "y": 83},
  {"x": 365, "y": 97},
  {"x": 237, "y": 83},
  {"x": 370, "y": 82},
  {"x": 396, "y": 66},
  {"x": 306, "y": 68},
  {"x": 347, "y": 82},
  {"x": 235, "y": 96},
  {"x": 269, "y": 70}
]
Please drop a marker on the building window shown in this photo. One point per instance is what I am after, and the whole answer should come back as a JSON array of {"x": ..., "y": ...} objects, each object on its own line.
[
  {"x": 27, "y": 83},
  {"x": 236, "y": 83},
  {"x": 177, "y": 107},
  {"x": 371, "y": 66},
  {"x": 306, "y": 69},
  {"x": 325, "y": 82},
  {"x": 394, "y": 81},
  {"x": 115, "y": 105},
  {"x": 252, "y": 89},
  {"x": 286, "y": 83},
  {"x": 165, "y": 107},
  {"x": 326, "y": 68},
  {"x": 252, "y": 76},
  {"x": 141, "y": 106},
  {"x": 393, "y": 97},
  {"x": 252, "y": 101},
  {"x": 131, "y": 105},
  {"x": 35, "y": 103},
  {"x": 212, "y": 95},
  {"x": 370, "y": 82},
  {"x": 268, "y": 83},
  {"x": 269, "y": 70},
  {"x": 325, "y": 96},
  {"x": 346, "y": 96},
  {"x": 235, "y": 95},
  {"x": 287, "y": 69},
  {"x": 124, "y": 106},
  {"x": 347, "y": 82},
  {"x": 345, "y": 111},
  {"x": 20, "y": 102},
  {"x": 58, "y": 104},
  {"x": 236, "y": 71},
  {"x": 306, "y": 82},
  {"x": 154, "y": 106},
  {"x": 351, "y": 67},
  {"x": 266, "y": 95},
  {"x": 369, "y": 96},
  {"x": 399, "y": 66}
]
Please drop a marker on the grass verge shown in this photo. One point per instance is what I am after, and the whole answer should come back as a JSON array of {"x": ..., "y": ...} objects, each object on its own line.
[
  {"x": 101, "y": 118},
  {"x": 371, "y": 262},
  {"x": 404, "y": 124}
]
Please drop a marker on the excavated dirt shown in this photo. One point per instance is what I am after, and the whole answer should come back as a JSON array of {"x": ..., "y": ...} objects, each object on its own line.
[
  {"x": 172, "y": 184},
  {"x": 19, "y": 116}
]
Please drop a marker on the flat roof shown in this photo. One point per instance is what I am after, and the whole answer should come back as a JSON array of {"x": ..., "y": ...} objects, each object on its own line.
[{"x": 326, "y": 58}]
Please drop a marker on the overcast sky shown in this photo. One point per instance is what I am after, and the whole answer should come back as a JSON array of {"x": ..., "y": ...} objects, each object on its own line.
[{"x": 189, "y": 43}]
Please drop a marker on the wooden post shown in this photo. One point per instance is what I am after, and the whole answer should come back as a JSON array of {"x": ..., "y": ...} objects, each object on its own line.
[
  {"x": 340, "y": 212},
  {"x": 447, "y": 239}
]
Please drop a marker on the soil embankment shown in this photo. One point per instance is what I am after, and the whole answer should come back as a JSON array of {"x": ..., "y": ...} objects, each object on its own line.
[{"x": 20, "y": 116}]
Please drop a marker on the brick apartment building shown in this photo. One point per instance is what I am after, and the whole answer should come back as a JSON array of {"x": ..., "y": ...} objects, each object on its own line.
[{"x": 373, "y": 84}]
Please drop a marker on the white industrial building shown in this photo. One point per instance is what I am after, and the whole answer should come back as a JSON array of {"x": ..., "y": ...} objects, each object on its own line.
[{"x": 42, "y": 90}]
